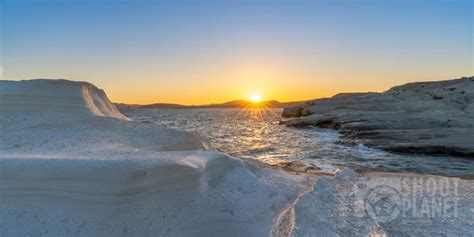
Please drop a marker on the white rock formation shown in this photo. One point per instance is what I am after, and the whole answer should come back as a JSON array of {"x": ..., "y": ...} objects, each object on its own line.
[
  {"x": 423, "y": 117},
  {"x": 386, "y": 204},
  {"x": 60, "y": 96},
  {"x": 72, "y": 165}
]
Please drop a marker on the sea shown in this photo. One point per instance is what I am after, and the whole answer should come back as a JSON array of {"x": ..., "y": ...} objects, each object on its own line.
[{"x": 257, "y": 134}]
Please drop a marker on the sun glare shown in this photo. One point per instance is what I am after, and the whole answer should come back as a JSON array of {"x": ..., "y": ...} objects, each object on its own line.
[{"x": 255, "y": 98}]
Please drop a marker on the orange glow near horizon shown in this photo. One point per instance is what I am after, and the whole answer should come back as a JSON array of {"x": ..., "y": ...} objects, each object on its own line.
[
  {"x": 201, "y": 94},
  {"x": 208, "y": 91},
  {"x": 255, "y": 97},
  {"x": 210, "y": 94},
  {"x": 253, "y": 81},
  {"x": 267, "y": 77}
]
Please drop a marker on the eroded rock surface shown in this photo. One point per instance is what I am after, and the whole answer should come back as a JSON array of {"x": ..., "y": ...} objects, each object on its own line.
[{"x": 422, "y": 117}]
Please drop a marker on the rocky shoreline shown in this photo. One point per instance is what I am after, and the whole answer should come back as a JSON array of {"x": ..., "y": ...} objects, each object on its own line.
[
  {"x": 72, "y": 165},
  {"x": 422, "y": 117}
]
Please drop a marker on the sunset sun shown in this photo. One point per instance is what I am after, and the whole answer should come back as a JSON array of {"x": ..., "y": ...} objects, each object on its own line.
[{"x": 255, "y": 98}]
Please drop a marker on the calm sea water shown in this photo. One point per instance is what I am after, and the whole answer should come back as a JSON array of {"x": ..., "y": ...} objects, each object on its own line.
[{"x": 256, "y": 134}]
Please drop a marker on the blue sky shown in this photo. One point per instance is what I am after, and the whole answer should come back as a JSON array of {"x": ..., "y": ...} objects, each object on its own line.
[{"x": 210, "y": 51}]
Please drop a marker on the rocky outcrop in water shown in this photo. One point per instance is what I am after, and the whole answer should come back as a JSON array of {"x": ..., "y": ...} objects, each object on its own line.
[{"x": 422, "y": 117}]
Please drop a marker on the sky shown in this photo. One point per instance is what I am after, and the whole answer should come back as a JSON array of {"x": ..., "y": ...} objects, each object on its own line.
[{"x": 199, "y": 52}]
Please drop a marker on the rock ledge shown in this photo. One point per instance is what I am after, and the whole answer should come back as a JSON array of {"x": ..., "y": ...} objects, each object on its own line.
[{"x": 422, "y": 117}]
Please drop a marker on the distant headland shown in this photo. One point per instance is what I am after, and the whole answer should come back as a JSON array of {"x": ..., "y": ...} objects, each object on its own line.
[{"x": 230, "y": 104}]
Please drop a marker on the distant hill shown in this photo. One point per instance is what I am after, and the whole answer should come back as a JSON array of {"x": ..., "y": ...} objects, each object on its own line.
[{"x": 230, "y": 104}]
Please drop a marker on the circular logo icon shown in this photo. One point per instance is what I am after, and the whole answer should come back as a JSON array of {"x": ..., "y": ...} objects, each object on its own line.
[{"x": 383, "y": 204}]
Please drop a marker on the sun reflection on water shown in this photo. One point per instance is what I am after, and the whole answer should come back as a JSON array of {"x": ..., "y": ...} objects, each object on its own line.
[{"x": 253, "y": 131}]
